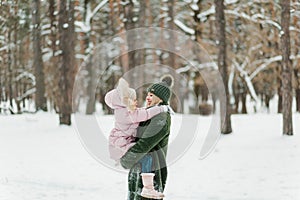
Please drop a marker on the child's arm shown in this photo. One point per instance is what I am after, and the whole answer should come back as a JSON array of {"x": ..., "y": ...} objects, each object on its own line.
[{"x": 143, "y": 114}]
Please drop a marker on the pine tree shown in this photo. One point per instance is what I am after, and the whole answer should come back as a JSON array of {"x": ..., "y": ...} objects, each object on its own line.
[{"x": 67, "y": 64}]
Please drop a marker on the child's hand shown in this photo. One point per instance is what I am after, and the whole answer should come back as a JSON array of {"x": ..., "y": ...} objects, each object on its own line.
[{"x": 167, "y": 108}]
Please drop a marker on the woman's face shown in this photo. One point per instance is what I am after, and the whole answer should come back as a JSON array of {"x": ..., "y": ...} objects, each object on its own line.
[{"x": 152, "y": 100}]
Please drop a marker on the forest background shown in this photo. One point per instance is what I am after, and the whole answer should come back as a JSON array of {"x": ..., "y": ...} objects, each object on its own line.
[{"x": 43, "y": 44}]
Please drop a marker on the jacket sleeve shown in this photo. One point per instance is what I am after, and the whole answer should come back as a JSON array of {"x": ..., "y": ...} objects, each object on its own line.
[
  {"x": 153, "y": 134},
  {"x": 143, "y": 114}
]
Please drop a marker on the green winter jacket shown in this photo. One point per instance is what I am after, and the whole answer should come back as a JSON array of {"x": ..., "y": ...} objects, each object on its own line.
[{"x": 152, "y": 137}]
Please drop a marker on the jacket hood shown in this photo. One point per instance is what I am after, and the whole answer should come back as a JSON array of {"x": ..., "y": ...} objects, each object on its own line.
[
  {"x": 113, "y": 100},
  {"x": 121, "y": 96}
]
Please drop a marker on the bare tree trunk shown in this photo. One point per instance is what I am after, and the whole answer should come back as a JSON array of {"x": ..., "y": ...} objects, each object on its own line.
[
  {"x": 198, "y": 24},
  {"x": 236, "y": 103},
  {"x": 174, "y": 103},
  {"x": 297, "y": 90},
  {"x": 90, "y": 107},
  {"x": 124, "y": 58},
  {"x": 198, "y": 27},
  {"x": 279, "y": 92},
  {"x": 10, "y": 73},
  {"x": 287, "y": 70},
  {"x": 141, "y": 53},
  {"x": 40, "y": 99},
  {"x": 67, "y": 65},
  {"x": 1, "y": 86},
  {"x": 172, "y": 57},
  {"x": 161, "y": 38},
  {"x": 15, "y": 60},
  {"x": 244, "y": 105},
  {"x": 298, "y": 98},
  {"x": 128, "y": 10},
  {"x": 222, "y": 64},
  {"x": 267, "y": 102},
  {"x": 51, "y": 68},
  {"x": 296, "y": 66}
]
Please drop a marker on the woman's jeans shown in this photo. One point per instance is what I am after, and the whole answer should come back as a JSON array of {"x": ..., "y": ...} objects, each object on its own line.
[{"x": 146, "y": 163}]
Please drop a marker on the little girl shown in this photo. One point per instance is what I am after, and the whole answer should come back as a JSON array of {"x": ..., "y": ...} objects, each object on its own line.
[{"x": 127, "y": 117}]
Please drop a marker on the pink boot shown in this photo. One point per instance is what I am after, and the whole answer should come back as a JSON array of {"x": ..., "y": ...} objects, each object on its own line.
[{"x": 148, "y": 190}]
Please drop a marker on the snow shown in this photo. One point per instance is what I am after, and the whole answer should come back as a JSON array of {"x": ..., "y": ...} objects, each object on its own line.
[
  {"x": 256, "y": 18},
  {"x": 65, "y": 25},
  {"x": 2, "y": 39},
  {"x": 227, "y": 2},
  {"x": 85, "y": 26},
  {"x": 246, "y": 77},
  {"x": 292, "y": 28},
  {"x": 203, "y": 15},
  {"x": 96, "y": 9},
  {"x": 164, "y": 8},
  {"x": 135, "y": 19},
  {"x": 194, "y": 6},
  {"x": 46, "y": 26},
  {"x": 3, "y": 19},
  {"x": 28, "y": 92},
  {"x": 184, "y": 27},
  {"x": 26, "y": 74},
  {"x": 265, "y": 64},
  {"x": 41, "y": 160},
  {"x": 4, "y": 48},
  {"x": 183, "y": 69},
  {"x": 124, "y": 3},
  {"x": 46, "y": 32}
]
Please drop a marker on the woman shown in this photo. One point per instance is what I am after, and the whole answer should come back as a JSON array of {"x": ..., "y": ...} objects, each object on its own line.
[
  {"x": 127, "y": 117},
  {"x": 152, "y": 138}
]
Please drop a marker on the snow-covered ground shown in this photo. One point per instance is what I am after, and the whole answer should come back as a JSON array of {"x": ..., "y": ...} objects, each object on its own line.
[{"x": 43, "y": 161}]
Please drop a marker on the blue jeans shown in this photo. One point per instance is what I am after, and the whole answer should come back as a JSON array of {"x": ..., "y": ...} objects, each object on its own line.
[{"x": 146, "y": 163}]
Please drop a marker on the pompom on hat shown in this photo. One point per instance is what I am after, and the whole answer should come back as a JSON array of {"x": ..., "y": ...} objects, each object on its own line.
[{"x": 163, "y": 88}]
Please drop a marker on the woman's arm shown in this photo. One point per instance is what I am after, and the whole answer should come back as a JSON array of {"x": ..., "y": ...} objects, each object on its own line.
[{"x": 154, "y": 133}]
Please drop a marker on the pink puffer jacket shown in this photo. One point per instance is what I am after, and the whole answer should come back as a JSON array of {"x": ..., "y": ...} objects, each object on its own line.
[{"x": 122, "y": 136}]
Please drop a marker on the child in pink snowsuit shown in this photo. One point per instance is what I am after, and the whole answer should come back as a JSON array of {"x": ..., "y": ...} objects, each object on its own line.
[{"x": 127, "y": 117}]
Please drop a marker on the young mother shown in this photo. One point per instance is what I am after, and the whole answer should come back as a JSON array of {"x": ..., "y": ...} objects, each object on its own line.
[{"x": 152, "y": 139}]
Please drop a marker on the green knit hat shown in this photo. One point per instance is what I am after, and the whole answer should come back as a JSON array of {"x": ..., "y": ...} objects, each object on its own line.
[{"x": 163, "y": 88}]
